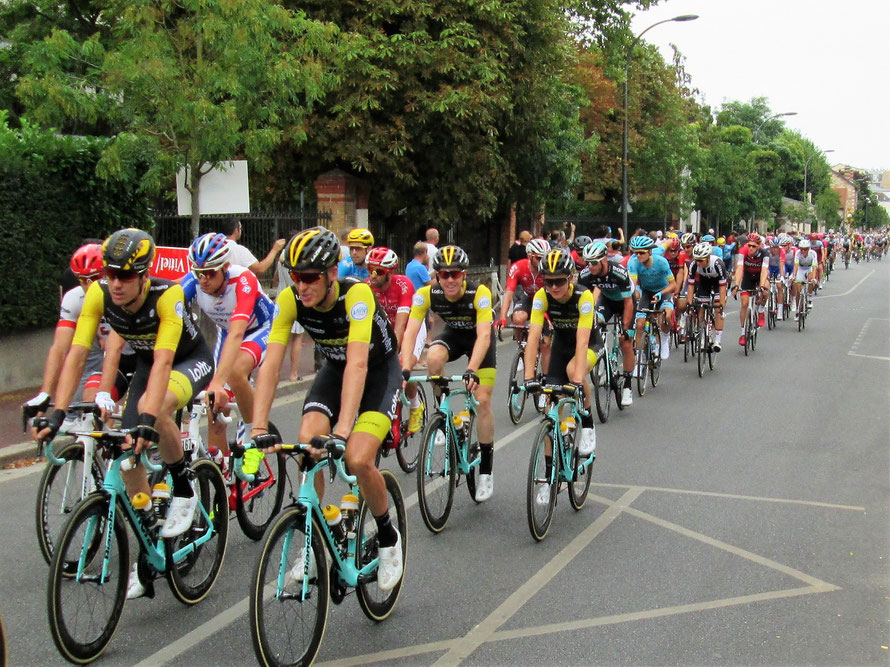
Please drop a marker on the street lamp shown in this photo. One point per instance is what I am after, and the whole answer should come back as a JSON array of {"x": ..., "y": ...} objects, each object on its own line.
[
  {"x": 805, "y": 166},
  {"x": 624, "y": 202},
  {"x": 777, "y": 115}
]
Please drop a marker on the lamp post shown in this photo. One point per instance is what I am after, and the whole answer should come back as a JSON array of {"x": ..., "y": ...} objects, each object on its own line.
[
  {"x": 805, "y": 166},
  {"x": 624, "y": 202},
  {"x": 769, "y": 118}
]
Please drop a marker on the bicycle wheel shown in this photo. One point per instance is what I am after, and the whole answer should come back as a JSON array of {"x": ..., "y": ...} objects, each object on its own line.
[
  {"x": 580, "y": 484},
  {"x": 409, "y": 443},
  {"x": 192, "y": 576},
  {"x": 257, "y": 502},
  {"x": 472, "y": 455},
  {"x": 58, "y": 493},
  {"x": 515, "y": 396},
  {"x": 436, "y": 474},
  {"x": 377, "y": 604},
  {"x": 754, "y": 330},
  {"x": 709, "y": 333},
  {"x": 602, "y": 386},
  {"x": 702, "y": 345},
  {"x": 771, "y": 312},
  {"x": 285, "y": 628},
  {"x": 655, "y": 358},
  {"x": 540, "y": 514},
  {"x": 642, "y": 369},
  {"x": 84, "y": 613}
]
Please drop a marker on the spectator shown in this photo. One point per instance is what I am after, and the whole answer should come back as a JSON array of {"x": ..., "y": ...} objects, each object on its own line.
[
  {"x": 517, "y": 250},
  {"x": 416, "y": 269},
  {"x": 241, "y": 256},
  {"x": 344, "y": 244},
  {"x": 432, "y": 245}
]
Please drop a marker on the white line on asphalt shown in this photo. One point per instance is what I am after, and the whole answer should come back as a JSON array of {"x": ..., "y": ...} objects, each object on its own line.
[
  {"x": 212, "y": 626},
  {"x": 849, "y": 291},
  {"x": 867, "y": 356}
]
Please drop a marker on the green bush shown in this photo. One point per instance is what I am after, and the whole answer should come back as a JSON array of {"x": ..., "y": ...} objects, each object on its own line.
[{"x": 50, "y": 200}]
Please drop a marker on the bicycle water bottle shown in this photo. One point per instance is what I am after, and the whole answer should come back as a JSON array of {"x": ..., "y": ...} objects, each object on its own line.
[
  {"x": 144, "y": 510},
  {"x": 334, "y": 519},
  {"x": 462, "y": 422},
  {"x": 160, "y": 498},
  {"x": 567, "y": 425},
  {"x": 348, "y": 509}
]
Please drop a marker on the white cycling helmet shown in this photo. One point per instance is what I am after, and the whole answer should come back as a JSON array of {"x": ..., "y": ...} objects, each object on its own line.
[
  {"x": 537, "y": 247},
  {"x": 701, "y": 250},
  {"x": 804, "y": 244}
]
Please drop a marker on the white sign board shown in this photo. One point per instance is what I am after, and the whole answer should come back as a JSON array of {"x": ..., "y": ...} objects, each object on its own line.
[{"x": 223, "y": 190}]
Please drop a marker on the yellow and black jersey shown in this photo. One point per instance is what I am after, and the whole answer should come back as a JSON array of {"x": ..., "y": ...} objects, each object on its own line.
[
  {"x": 473, "y": 307},
  {"x": 566, "y": 318},
  {"x": 162, "y": 323},
  {"x": 354, "y": 316}
]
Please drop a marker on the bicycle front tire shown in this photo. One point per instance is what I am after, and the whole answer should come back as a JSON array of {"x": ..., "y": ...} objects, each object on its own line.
[
  {"x": 515, "y": 396},
  {"x": 540, "y": 515},
  {"x": 437, "y": 468},
  {"x": 408, "y": 450},
  {"x": 642, "y": 369},
  {"x": 602, "y": 385},
  {"x": 255, "y": 508},
  {"x": 655, "y": 358}
]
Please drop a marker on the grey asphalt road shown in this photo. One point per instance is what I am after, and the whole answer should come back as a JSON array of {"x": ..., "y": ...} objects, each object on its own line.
[{"x": 738, "y": 518}]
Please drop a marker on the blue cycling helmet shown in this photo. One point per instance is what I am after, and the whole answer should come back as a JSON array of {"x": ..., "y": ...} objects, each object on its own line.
[
  {"x": 709, "y": 238},
  {"x": 209, "y": 251},
  {"x": 641, "y": 243}
]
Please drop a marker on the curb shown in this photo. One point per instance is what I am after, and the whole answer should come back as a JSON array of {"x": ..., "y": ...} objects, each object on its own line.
[{"x": 24, "y": 450}]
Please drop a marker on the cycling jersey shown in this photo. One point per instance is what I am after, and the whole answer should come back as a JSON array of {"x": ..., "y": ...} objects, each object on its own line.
[
  {"x": 652, "y": 278},
  {"x": 615, "y": 284},
  {"x": 521, "y": 273},
  {"x": 347, "y": 269},
  {"x": 242, "y": 299},
  {"x": 72, "y": 304},
  {"x": 566, "y": 317},
  {"x": 805, "y": 260},
  {"x": 754, "y": 262},
  {"x": 354, "y": 316},
  {"x": 162, "y": 323},
  {"x": 472, "y": 308},
  {"x": 776, "y": 260},
  {"x": 709, "y": 278},
  {"x": 396, "y": 298},
  {"x": 677, "y": 261}
]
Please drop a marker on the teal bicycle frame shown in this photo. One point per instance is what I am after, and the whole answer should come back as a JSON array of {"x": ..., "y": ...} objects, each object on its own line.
[
  {"x": 464, "y": 465},
  {"x": 567, "y": 472}
]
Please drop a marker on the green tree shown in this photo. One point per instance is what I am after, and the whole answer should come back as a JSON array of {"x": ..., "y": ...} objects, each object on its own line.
[{"x": 191, "y": 85}]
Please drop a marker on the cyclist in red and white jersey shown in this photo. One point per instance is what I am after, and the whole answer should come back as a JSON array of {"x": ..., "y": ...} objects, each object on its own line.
[{"x": 752, "y": 271}]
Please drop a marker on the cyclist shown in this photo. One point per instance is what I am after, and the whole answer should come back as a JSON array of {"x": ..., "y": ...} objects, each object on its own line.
[
  {"x": 777, "y": 261},
  {"x": 656, "y": 286},
  {"x": 613, "y": 297},
  {"x": 231, "y": 296},
  {"x": 359, "y": 241},
  {"x": 677, "y": 260},
  {"x": 707, "y": 277},
  {"x": 570, "y": 308},
  {"x": 86, "y": 265},
  {"x": 805, "y": 262},
  {"x": 394, "y": 292},
  {"x": 172, "y": 362},
  {"x": 353, "y": 399},
  {"x": 465, "y": 306},
  {"x": 578, "y": 246},
  {"x": 751, "y": 273}
]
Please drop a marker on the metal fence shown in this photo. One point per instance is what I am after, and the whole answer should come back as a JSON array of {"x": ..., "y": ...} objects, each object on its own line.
[{"x": 259, "y": 229}]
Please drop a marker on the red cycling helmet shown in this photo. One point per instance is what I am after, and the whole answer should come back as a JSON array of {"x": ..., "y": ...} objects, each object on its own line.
[
  {"x": 672, "y": 244},
  {"x": 754, "y": 237},
  {"x": 383, "y": 257},
  {"x": 86, "y": 262}
]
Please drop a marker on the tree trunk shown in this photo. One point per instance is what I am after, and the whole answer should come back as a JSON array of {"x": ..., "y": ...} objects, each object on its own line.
[{"x": 194, "y": 188}]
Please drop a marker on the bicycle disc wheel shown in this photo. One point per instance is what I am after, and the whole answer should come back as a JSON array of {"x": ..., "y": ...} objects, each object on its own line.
[
  {"x": 409, "y": 444},
  {"x": 540, "y": 514},
  {"x": 642, "y": 369},
  {"x": 58, "y": 493},
  {"x": 435, "y": 474},
  {"x": 580, "y": 485},
  {"x": 377, "y": 604},
  {"x": 83, "y": 614},
  {"x": 515, "y": 396},
  {"x": 287, "y": 629},
  {"x": 257, "y": 502},
  {"x": 655, "y": 358},
  {"x": 602, "y": 386},
  {"x": 192, "y": 576},
  {"x": 472, "y": 454}
]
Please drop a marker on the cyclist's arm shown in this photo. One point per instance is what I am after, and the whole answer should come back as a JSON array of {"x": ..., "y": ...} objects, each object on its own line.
[
  {"x": 764, "y": 274},
  {"x": 158, "y": 380},
  {"x": 227, "y": 356},
  {"x": 535, "y": 327},
  {"x": 484, "y": 317},
  {"x": 505, "y": 303},
  {"x": 357, "y": 347},
  {"x": 84, "y": 334},
  {"x": 399, "y": 327},
  {"x": 114, "y": 344},
  {"x": 627, "y": 318},
  {"x": 55, "y": 359},
  {"x": 420, "y": 304},
  {"x": 582, "y": 337},
  {"x": 739, "y": 270},
  {"x": 671, "y": 286}
]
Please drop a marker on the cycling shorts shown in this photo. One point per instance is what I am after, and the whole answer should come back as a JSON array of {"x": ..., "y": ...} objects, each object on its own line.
[
  {"x": 667, "y": 302},
  {"x": 522, "y": 301},
  {"x": 460, "y": 344},
  {"x": 383, "y": 387},
  {"x": 801, "y": 275},
  {"x": 254, "y": 343},
  {"x": 749, "y": 282},
  {"x": 188, "y": 378},
  {"x": 774, "y": 272},
  {"x": 606, "y": 309},
  {"x": 125, "y": 368},
  {"x": 557, "y": 372}
]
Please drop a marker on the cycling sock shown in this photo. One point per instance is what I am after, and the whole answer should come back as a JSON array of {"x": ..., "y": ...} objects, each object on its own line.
[
  {"x": 548, "y": 466},
  {"x": 487, "y": 454},
  {"x": 179, "y": 471},
  {"x": 587, "y": 421},
  {"x": 386, "y": 532},
  {"x": 627, "y": 379}
]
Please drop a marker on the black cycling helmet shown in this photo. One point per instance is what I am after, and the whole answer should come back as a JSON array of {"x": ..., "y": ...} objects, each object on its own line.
[
  {"x": 451, "y": 257},
  {"x": 314, "y": 248},
  {"x": 558, "y": 262},
  {"x": 128, "y": 249},
  {"x": 581, "y": 241}
]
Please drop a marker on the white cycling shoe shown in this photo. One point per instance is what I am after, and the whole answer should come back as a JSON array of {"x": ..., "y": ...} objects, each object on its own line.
[
  {"x": 390, "y": 568},
  {"x": 542, "y": 497},
  {"x": 179, "y": 516},
  {"x": 627, "y": 397},
  {"x": 484, "y": 488},
  {"x": 297, "y": 570},
  {"x": 135, "y": 589},
  {"x": 587, "y": 442}
]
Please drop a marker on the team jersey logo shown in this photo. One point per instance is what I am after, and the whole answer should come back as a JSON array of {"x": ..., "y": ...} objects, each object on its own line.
[
  {"x": 275, "y": 311},
  {"x": 417, "y": 300},
  {"x": 484, "y": 302},
  {"x": 180, "y": 309},
  {"x": 537, "y": 304},
  {"x": 359, "y": 312},
  {"x": 586, "y": 308}
]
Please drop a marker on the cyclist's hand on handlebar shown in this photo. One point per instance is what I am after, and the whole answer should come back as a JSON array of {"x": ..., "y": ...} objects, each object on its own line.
[
  {"x": 145, "y": 434},
  {"x": 533, "y": 386},
  {"x": 106, "y": 405},
  {"x": 216, "y": 398},
  {"x": 51, "y": 425},
  {"x": 266, "y": 442},
  {"x": 471, "y": 379}
]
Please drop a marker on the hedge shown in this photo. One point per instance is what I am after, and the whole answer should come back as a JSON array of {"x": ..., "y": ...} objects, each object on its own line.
[{"x": 50, "y": 200}]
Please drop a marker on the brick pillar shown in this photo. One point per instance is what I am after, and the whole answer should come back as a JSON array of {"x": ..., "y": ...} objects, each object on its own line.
[
  {"x": 362, "y": 196},
  {"x": 336, "y": 192}
]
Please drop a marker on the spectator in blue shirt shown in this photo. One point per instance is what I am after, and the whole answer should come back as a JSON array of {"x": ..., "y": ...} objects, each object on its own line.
[{"x": 416, "y": 269}]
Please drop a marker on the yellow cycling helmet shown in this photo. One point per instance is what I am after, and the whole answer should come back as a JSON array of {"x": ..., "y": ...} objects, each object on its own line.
[
  {"x": 360, "y": 237},
  {"x": 721, "y": 241}
]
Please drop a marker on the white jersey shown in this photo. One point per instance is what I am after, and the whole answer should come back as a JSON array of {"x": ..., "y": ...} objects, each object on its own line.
[
  {"x": 805, "y": 260},
  {"x": 242, "y": 299}
]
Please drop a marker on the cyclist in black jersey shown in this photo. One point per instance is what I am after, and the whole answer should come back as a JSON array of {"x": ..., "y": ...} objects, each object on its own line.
[{"x": 356, "y": 391}]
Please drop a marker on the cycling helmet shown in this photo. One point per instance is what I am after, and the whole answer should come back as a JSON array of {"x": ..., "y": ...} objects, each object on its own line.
[
  {"x": 688, "y": 238},
  {"x": 818, "y": 244},
  {"x": 537, "y": 247},
  {"x": 701, "y": 250},
  {"x": 86, "y": 262},
  {"x": 672, "y": 244},
  {"x": 785, "y": 239},
  {"x": 558, "y": 262},
  {"x": 383, "y": 257},
  {"x": 774, "y": 241},
  {"x": 209, "y": 251},
  {"x": 360, "y": 237},
  {"x": 641, "y": 243},
  {"x": 315, "y": 248},
  {"x": 128, "y": 249},
  {"x": 451, "y": 257},
  {"x": 721, "y": 241},
  {"x": 594, "y": 252},
  {"x": 672, "y": 235},
  {"x": 754, "y": 237},
  {"x": 580, "y": 242},
  {"x": 804, "y": 244},
  {"x": 709, "y": 238}
]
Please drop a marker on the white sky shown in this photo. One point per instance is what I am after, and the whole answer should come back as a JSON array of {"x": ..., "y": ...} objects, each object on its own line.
[{"x": 828, "y": 61}]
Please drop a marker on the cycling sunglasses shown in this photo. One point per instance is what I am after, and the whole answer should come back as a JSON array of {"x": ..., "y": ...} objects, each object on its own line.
[
  {"x": 122, "y": 276},
  {"x": 205, "y": 273},
  {"x": 450, "y": 274},
  {"x": 641, "y": 252},
  {"x": 555, "y": 282},
  {"x": 309, "y": 278},
  {"x": 379, "y": 272}
]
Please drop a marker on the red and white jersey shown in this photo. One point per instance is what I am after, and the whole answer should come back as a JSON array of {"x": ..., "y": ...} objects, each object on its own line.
[
  {"x": 520, "y": 273},
  {"x": 396, "y": 298},
  {"x": 242, "y": 299},
  {"x": 72, "y": 304},
  {"x": 753, "y": 262}
]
